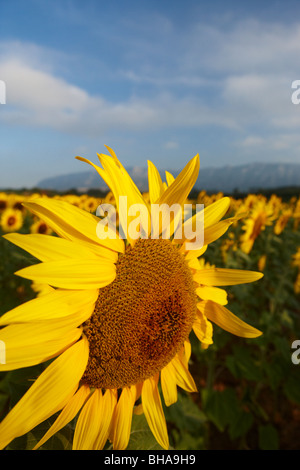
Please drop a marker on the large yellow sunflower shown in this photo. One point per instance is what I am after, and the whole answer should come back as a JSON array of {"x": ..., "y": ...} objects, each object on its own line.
[{"x": 118, "y": 315}]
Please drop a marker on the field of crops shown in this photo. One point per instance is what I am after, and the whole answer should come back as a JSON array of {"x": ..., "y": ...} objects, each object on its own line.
[{"x": 249, "y": 389}]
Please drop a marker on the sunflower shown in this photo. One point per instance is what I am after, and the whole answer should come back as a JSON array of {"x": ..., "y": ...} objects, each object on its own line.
[
  {"x": 296, "y": 262},
  {"x": 117, "y": 321},
  {"x": 261, "y": 215},
  {"x": 39, "y": 226},
  {"x": 90, "y": 204},
  {"x": 3, "y": 201},
  {"x": 282, "y": 220},
  {"x": 11, "y": 220},
  {"x": 16, "y": 202}
]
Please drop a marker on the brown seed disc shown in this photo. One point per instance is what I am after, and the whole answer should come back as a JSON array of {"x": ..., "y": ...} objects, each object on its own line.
[{"x": 142, "y": 318}]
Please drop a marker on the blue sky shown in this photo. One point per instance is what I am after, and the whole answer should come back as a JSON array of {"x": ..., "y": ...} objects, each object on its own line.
[{"x": 159, "y": 80}]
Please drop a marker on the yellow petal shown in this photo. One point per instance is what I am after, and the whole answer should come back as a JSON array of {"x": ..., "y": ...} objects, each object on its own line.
[
  {"x": 51, "y": 248},
  {"x": 156, "y": 188},
  {"x": 216, "y": 231},
  {"x": 33, "y": 343},
  {"x": 57, "y": 304},
  {"x": 68, "y": 413},
  {"x": 193, "y": 263},
  {"x": 71, "y": 223},
  {"x": 113, "y": 154},
  {"x": 212, "y": 228},
  {"x": 48, "y": 393},
  {"x": 215, "y": 211},
  {"x": 168, "y": 384},
  {"x": 121, "y": 184},
  {"x": 168, "y": 208},
  {"x": 210, "y": 215},
  {"x": 192, "y": 254},
  {"x": 182, "y": 375},
  {"x": 99, "y": 170},
  {"x": 203, "y": 329},
  {"x": 211, "y": 234},
  {"x": 169, "y": 178},
  {"x": 227, "y": 320},
  {"x": 225, "y": 277},
  {"x": 153, "y": 411},
  {"x": 77, "y": 318},
  {"x": 212, "y": 293},
  {"x": 187, "y": 351},
  {"x": 109, "y": 404},
  {"x": 123, "y": 417},
  {"x": 72, "y": 274},
  {"x": 89, "y": 422},
  {"x": 179, "y": 190}
]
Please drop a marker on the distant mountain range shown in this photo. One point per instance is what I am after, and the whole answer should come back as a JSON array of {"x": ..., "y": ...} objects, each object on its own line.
[{"x": 244, "y": 178}]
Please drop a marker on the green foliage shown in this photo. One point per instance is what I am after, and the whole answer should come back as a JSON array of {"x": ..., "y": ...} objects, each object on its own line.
[
  {"x": 141, "y": 437},
  {"x": 249, "y": 390},
  {"x": 261, "y": 384}
]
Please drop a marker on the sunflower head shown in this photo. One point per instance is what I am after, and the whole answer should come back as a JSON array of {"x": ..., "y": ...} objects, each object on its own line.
[
  {"x": 3, "y": 201},
  {"x": 143, "y": 317},
  {"x": 116, "y": 315},
  {"x": 40, "y": 227},
  {"x": 11, "y": 220}
]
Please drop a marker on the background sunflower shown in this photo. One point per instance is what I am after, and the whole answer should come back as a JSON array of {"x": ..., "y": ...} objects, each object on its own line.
[{"x": 229, "y": 402}]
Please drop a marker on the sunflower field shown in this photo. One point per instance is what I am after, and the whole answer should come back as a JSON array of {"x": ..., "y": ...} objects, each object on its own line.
[{"x": 248, "y": 389}]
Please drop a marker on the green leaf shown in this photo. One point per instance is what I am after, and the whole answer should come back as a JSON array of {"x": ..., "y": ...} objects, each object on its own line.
[
  {"x": 62, "y": 440},
  {"x": 141, "y": 437},
  {"x": 240, "y": 425},
  {"x": 186, "y": 423},
  {"x": 221, "y": 407},
  {"x": 268, "y": 437},
  {"x": 242, "y": 365},
  {"x": 291, "y": 386}
]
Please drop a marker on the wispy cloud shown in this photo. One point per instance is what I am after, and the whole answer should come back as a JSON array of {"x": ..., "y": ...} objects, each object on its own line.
[
  {"x": 40, "y": 98},
  {"x": 232, "y": 79}
]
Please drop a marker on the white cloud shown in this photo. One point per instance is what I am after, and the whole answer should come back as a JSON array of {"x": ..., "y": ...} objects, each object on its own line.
[
  {"x": 210, "y": 76},
  {"x": 262, "y": 100},
  {"x": 35, "y": 89},
  {"x": 39, "y": 98},
  {"x": 171, "y": 145},
  {"x": 278, "y": 146},
  {"x": 246, "y": 46},
  {"x": 251, "y": 141},
  {"x": 243, "y": 73}
]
